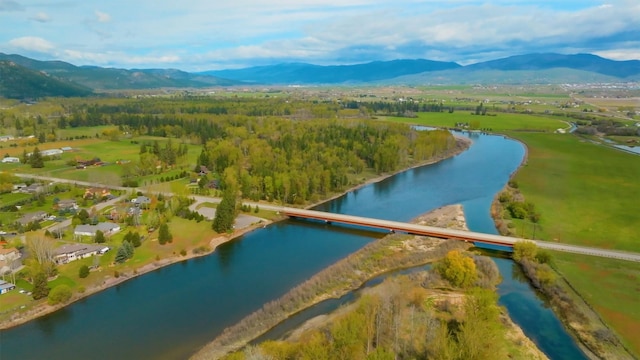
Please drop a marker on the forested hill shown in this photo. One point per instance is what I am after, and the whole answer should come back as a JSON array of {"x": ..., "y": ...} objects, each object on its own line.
[
  {"x": 18, "y": 82},
  {"x": 301, "y": 73},
  {"x": 99, "y": 78}
]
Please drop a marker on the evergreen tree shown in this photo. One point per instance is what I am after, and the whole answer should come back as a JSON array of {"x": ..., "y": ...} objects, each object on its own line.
[
  {"x": 164, "y": 235},
  {"x": 35, "y": 159},
  {"x": 128, "y": 248},
  {"x": 99, "y": 237},
  {"x": 225, "y": 212},
  {"x": 40, "y": 286},
  {"x": 135, "y": 240},
  {"x": 121, "y": 255}
]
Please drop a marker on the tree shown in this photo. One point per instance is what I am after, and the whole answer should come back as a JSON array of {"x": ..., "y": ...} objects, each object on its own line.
[
  {"x": 128, "y": 248},
  {"x": 35, "y": 159},
  {"x": 458, "y": 269},
  {"x": 40, "y": 286},
  {"x": 121, "y": 255},
  {"x": 43, "y": 251},
  {"x": 524, "y": 250},
  {"x": 164, "y": 235},
  {"x": 99, "y": 238},
  {"x": 83, "y": 272},
  {"x": 59, "y": 295},
  {"x": 225, "y": 212}
]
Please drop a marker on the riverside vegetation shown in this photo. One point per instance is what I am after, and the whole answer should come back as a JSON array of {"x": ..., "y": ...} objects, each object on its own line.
[
  {"x": 246, "y": 152},
  {"x": 402, "y": 322}
]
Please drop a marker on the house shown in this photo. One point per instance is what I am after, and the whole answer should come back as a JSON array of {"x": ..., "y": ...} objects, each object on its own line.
[
  {"x": 141, "y": 201},
  {"x": 67, "y": 204},
  {"x": 31, "y": 217},
  {"x": 5, "y": 287},
  {"x": 66, "y": 148},
  {"x": 5, "y": 138},
  {"x": 9, "y": 260},
  {"x": 51, "y": 152},
  {"x": 11, "y": 160},
  {"x": 96, "y": 193},
  {"x": 18, "y": 187},
  {"x": 203, "y": 170},
  {"x": 107, "y": 228},
  {"x": 72, "y": 252},
  {"x": 34, "y": 188}
]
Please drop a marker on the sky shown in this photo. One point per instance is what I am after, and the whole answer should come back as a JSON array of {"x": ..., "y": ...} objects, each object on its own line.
[{"x": 199, "y": 35}]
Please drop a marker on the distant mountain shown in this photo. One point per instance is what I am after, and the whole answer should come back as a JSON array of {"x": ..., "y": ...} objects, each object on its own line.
[
  {"x": 520, "y": 69},
  {"x": 100, "y": 78},
  {"x": 584, "y": 62},
  {"x": 300, "y": 73},
  {"x": 19, "y": 82}
]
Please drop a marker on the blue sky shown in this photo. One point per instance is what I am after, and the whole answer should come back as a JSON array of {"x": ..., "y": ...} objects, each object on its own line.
[{"x": 197, "y": 35}]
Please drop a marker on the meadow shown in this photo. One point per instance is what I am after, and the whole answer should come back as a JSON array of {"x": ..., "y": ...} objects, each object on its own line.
[
  {"x": 497, "y": 122},
  {"x": 609, "y": 286}
]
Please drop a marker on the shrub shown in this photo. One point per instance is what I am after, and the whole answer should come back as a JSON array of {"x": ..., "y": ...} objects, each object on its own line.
[
  {"x": 524, "y": 250},
  {"x": 59, "y": 295},
  {"x": 83, "y": 272}
]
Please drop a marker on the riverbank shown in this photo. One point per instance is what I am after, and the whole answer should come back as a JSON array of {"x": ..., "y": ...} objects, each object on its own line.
[
  {"x": 390, "y": 253},
  {"x": 43, "y": 308}
]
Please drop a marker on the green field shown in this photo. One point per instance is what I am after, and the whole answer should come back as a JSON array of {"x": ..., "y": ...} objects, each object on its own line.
[
  {"x": 499, "y": 122},
  {"x": 611, "y": 287},
  {"x": 587, "y": 194}
]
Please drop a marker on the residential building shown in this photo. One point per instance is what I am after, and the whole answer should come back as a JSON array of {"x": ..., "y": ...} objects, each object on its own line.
[
  {"x": 141, "y": 201},
  {"x": 67, "y": 204},
  {"x": 107, "y": 228},
  {"x": 31, "y": 217},
  {"x": 72, "y": 252},
  {"x": 11, "y": 159},
  {"x": 9, "y": 260},
  {"x": 5, "y": 287}
]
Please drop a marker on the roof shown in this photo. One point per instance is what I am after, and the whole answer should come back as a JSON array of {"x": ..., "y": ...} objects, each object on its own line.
[
  {"x": 103, "y": 226},
  {"x": 8, "y": 251},
  {"x": 78, "y": 248}
]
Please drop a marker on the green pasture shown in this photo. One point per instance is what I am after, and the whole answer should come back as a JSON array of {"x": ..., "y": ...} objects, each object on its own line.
[
  {"x": 611, "y": 287},
  {"x": 587, "y": 194},
  {"x": 499, "y": 122}
]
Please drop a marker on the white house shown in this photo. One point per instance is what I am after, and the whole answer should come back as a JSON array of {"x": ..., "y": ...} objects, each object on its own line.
[
  {"x": 51, "y": 152},
  {"x": 11, "y": 159},
  {"x": 6, "y": 286},
  {"x": 9, "y": 259},
  {"x": 73, "y": 252}
]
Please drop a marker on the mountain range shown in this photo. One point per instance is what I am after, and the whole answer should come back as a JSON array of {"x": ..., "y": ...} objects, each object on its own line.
[{"x": 22, "y": 77}]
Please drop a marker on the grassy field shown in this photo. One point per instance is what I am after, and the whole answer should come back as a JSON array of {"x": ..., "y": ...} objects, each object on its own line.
[
  {"x": 587, "y": 194},
  {"x": 499, "y": 122},
  {"x": 611, "y": 287}
]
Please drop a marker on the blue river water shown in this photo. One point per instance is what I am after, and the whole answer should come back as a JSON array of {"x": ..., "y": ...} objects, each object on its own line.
[{"x": 172, "y": 312}]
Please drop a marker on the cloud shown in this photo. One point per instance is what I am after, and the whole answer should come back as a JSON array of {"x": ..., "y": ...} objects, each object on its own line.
[
  {"x": 10, "y": 5},
  {"x": 32, "y": 43},
  {"x": 41, "y": 17},
  {"x": 102, "y": 17}
]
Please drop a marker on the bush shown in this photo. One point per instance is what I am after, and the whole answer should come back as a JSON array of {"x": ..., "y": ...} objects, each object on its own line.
[
  {"x": 59, "y": 295},
  {"x": 458, "y": 269},
  {"x": 524, "y": 250},
  {"x": 183, "y": 252},
  {"x": 83, "y": 272}
]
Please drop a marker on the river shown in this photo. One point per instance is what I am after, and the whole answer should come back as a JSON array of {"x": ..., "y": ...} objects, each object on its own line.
[{"x": 172, "y": 312}]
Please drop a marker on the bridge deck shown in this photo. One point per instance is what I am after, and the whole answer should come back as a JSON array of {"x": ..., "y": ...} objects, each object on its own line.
[{"x": 469, "y": 236}]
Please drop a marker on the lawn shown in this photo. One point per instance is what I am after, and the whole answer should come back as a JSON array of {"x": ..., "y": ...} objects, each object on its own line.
[
  {"x": 587, "y": 194},
  {"x": 499, "y": 122},
  {"x": 611, "y": 287}
]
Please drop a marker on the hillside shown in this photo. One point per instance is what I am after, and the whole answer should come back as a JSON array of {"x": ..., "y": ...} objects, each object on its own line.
[
  {"x": 520, "y": 69},
  {"x": 18, "y": 82},
  {"x": 334, "y": 74},
  {"x": 100, "y": 78}
]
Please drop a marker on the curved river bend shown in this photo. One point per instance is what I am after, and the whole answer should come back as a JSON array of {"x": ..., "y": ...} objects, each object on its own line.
[{"x": 172, "y": 312}]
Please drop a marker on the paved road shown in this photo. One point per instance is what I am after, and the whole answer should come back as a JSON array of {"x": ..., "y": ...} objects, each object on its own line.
[{"x": 584, "y": 250}]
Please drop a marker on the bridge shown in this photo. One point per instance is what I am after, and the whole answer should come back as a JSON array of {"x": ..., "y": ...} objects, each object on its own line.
[{"x": 468, "y": 236}]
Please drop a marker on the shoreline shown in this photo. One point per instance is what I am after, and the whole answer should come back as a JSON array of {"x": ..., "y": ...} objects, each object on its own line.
[
  {"x": 451, "y": 216},
  {"x": 462, "y": 144}
]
